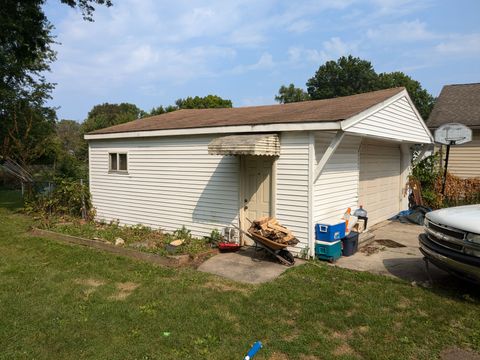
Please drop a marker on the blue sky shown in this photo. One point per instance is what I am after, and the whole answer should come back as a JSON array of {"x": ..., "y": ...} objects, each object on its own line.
[{"x": 151, "y": 52}]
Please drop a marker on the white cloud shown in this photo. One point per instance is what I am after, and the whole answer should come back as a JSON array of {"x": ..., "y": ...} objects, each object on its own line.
[
  {"x": 460, "y": 45},
  {"x": 398, "y": 7},
  {"x": 406, "y": 31},
  {"x": 265, "y": 62},
  {"x": 299, "y": 26},
  {"x": 331, "y": 49}
]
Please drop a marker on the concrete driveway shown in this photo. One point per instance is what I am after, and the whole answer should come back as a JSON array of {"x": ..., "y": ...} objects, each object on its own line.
[{"x": 405, "y": 262}]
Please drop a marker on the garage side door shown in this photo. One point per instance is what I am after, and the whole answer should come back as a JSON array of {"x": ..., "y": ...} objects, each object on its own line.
[{"x": 379, "y": 191}]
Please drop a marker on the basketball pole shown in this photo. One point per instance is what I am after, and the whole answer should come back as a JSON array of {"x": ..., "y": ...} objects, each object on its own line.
[{"x": 446, "y": 166}]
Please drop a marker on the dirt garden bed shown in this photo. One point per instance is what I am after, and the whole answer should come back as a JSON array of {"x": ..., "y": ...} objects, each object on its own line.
[{"x": 138, "y": 242}]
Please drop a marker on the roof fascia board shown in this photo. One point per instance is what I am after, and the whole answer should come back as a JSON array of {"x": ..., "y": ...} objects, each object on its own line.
[
  {"x": 307, "y": 126},
  {"x": 351, "y": 121}
]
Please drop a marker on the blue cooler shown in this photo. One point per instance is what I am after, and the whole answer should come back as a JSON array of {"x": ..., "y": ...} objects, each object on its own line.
[
  {"x": 326, "y": 232},
  {"x": 328, "y": 250}
]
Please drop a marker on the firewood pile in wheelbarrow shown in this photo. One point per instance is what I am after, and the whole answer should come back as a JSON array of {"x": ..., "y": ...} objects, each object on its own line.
[
  {"x": 271, "y": 229},
  {"x": 272, "y": 237}
]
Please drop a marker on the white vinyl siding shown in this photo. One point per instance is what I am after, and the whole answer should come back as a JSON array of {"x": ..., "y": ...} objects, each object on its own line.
[
  {"x": 292, "y": 178},
  {"x": 336, "y": 189},
  {"x": 396, "y": 121},
  {"x": 464, "y": 159},
  {"x": 171, "y": 182}
]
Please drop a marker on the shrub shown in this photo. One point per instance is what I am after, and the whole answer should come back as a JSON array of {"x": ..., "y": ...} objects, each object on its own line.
[
  {"x": 66, "y": 198},
  {"x": 457, "y": 191}
]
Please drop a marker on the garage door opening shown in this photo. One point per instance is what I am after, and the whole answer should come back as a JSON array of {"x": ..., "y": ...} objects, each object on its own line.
[{"x": 379, "y": 191}]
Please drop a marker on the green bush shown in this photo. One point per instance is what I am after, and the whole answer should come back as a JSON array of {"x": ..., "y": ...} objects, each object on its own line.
[
  {"x": 427, "y": 172},
  {"x": 67, "y": 198}
]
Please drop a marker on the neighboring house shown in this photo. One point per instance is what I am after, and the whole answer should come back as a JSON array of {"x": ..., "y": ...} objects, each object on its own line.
[
  {"x": 461, "y": 104},
  {"x": 304, "y": 163}
]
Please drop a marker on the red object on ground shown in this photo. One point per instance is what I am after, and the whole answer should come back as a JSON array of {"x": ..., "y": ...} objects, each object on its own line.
[{"x": 224, "y": 246}]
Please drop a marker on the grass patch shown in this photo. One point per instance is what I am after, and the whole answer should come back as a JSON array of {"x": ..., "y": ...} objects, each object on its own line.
[{"x": 60, "y": 301}]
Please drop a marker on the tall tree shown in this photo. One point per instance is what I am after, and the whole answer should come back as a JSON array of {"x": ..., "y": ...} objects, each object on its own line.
[
  {"x": 69, "y": 133},
  {"x": 25, "y": 56},
  {"x": 352, "y": 75},
  {"x": 346, "y": 76},
  {"x": 290, "y": 93}
]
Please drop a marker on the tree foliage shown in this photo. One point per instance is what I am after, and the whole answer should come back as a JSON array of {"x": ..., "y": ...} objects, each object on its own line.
[
  {"x": 87, "y": 6},
  {"x": 159, "y": 110},
  {"x": 351, "y": 75},
  {"x": 290, "y": 93},
  {"x": 105, "y": 115},
  {"x": 346, "y": 76},
  {"x": 207, "y": 102},
  {"x": 197, "y": 102},
  {"x": 30, "y": 133},
  {"x": 69, "y": 133},
  {"x": 27, "y": 123}
]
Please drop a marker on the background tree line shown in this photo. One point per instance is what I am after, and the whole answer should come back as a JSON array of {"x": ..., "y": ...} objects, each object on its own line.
[
  {"x": 351, "y": 75},
  {"x": 72, "y": 149}
]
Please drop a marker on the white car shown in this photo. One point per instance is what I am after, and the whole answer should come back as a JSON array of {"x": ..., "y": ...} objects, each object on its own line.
[{"x": 452, "y": 240}]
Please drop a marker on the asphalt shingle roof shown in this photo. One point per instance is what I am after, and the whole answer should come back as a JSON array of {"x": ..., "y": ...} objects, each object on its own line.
[
  {"x": 457, "y": 103},
  {"x": 335, "y": 109}
]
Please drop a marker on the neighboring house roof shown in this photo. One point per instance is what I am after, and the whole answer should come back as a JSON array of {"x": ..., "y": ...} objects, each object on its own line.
[
  {"x": 458, "y": 103},
  {"x": 328, "y": 110}
]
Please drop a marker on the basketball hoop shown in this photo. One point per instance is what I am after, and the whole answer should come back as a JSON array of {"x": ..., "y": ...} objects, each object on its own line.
[{"x": 451, "y": 134}]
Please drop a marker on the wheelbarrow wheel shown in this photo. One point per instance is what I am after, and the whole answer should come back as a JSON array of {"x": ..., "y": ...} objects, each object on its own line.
[{"x": 287, "y": 255}]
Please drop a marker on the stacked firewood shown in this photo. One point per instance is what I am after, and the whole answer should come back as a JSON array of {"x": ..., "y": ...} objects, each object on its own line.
[{"x": 270, "y": 228}]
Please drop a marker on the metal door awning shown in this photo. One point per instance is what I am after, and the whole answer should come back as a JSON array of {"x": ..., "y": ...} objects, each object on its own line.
[{"x": 252, "y": 144}]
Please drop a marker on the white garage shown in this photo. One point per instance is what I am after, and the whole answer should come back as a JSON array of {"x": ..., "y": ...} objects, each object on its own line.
[{"x": 304, "y": 163}]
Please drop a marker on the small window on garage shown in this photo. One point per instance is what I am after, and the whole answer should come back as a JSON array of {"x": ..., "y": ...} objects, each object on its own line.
[{"x": 118, "y": 162}]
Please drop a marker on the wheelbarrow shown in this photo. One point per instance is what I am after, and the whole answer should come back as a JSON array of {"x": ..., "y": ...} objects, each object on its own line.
[{"x": 277, "y": 250}]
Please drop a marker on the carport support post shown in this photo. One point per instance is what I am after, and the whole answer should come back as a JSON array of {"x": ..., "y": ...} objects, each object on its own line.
[
  {"x": 315, "y": 170},
  {"x": 311, "y": 170},
  {"x": 405, "y": 168}
]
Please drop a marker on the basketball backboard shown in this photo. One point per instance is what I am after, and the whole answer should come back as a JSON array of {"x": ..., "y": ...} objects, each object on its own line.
[{"x": 453, "y": 134}]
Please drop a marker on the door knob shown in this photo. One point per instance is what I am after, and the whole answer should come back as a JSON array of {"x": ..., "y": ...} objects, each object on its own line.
[{"x": 245, "y": 207}]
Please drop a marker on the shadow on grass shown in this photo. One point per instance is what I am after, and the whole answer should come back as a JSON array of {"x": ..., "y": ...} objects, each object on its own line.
[{"x": 11, "y": 199}]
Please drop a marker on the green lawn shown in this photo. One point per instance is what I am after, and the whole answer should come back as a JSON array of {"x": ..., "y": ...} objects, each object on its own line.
[{"x": 69, "y": 302}]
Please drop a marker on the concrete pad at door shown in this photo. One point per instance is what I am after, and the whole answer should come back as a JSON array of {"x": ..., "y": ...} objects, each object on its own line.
[{"x": 245, "y": 265}]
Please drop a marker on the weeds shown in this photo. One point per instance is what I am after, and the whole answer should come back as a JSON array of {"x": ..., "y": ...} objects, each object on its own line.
[{"x": 138, "y": 236}]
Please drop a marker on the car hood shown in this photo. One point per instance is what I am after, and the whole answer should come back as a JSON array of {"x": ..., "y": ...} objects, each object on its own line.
[{"x": 465, "y": 218}]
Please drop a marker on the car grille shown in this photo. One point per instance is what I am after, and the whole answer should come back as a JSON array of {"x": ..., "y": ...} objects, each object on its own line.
[
  {"x": 447, "y": 244},
  {"x": 453, "y": 233},
  {"x": 452, "y": 239}
]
